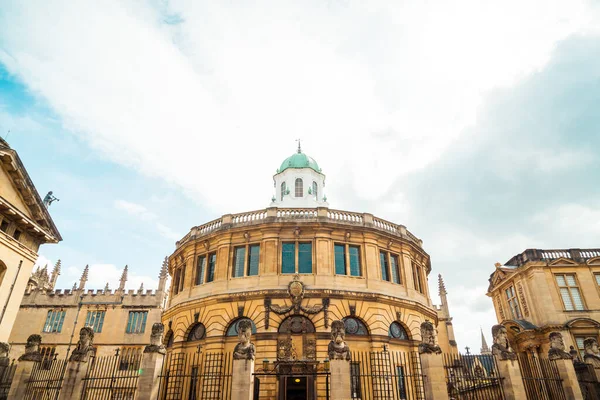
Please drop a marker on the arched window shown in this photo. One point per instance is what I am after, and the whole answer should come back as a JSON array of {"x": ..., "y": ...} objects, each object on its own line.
[
  {"x": 169, "y": 339},
  {"x": 283, "y": 189},
  {"x": 2, "y": 272},
  {"x": 233, "y": 328},
  {"x": 355, "y": 326},
  {"x": 397, "y": 331},
  {"x": 315, "y": 189},
  {"x": 296, "y": 324},
  {"x": 198, "y": 332},
  {"x": 299, "y": 188}
]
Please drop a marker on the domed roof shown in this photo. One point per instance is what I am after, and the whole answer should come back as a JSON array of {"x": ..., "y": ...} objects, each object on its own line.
[{"x": 299, "y": 160}]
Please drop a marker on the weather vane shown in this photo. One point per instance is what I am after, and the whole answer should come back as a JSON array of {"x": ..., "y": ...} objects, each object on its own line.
[{"x": 299, "y": 149}]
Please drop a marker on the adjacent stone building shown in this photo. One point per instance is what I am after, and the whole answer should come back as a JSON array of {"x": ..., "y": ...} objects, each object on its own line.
[
  {"x": 293, "y": 268},
  {"x": 541, "y": 291},
  {"x": 25, "y": 224}
]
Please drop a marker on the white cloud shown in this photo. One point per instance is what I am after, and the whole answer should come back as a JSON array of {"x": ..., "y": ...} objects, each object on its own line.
[{"x": 141, "y": 212}]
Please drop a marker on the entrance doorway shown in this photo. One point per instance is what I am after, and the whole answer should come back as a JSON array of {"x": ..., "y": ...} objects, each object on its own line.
[{"x": 296, "y": 388}]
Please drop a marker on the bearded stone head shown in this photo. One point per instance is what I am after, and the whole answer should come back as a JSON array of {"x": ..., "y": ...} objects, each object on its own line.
[
  {"x": 427, "y": 335},
  {"x": 244, "y": 331},
  {"x": 338, "y": 332},
  {"x": 500, "y": 335},
  {"x": 33, "y": 344},
  {"x": 591, "y": 346},
  {"x": 556, "y": 341},
  {"x": 157, "y": 329},
  {"x": 86, "y": 336}
]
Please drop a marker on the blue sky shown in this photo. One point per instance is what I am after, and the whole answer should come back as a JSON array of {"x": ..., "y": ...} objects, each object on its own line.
[{"x": 473, "y": 123}]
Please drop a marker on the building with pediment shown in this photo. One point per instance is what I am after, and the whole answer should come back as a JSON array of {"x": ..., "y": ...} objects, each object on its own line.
[
  {"x": 293, "y": 268},
  {"x": 25, "y": 224},
  {"x": 540, "y": 291}
]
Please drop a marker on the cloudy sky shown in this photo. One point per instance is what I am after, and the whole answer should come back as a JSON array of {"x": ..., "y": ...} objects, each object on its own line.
[{"x": 474, "y": 123}]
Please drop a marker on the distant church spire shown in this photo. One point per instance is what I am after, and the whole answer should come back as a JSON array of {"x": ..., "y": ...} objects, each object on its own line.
[
  {"x": 123, "y": 279},
  {"x": 442, "y": 286},
  {"x": 484, "y": 347},
  {"x": 55, "y": 274},
  {"x": 163, "y": 275},
  {"x": 84, "y": 277}
]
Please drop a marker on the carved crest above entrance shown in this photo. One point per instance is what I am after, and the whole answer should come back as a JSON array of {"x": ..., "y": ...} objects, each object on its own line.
[{"x": 296, "y": 293}]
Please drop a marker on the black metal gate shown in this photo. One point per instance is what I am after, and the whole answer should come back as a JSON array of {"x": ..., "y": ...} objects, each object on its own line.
[
  {"x": 196, "y": 376},
  {"x": 386, "y": 375},
  {"x": 46, "y": 379},
  {"x": 586, "y": 376},
  {"x": 541, "y": 378},
  {"x": 473, "y": 377},
  {"x": 7, "y": 372},
  {"x": 112, "y": 377}
]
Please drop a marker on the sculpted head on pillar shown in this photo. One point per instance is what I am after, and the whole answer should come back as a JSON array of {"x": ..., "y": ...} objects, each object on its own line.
[
  {"x": 501, "y": 346},
  {"x": 244, "y": 350},
  {"x": 32, "y": 349},
  {"x": 338, "y": 349},
  {"x": 592, "y": 354},
  {"x": 557, "y": 347},
  {"x": 84, "y": 345},
  {"x": 427, "y": 345},
  {"x": 4, "y": 349},
  {"x": 156, "y": 345}
]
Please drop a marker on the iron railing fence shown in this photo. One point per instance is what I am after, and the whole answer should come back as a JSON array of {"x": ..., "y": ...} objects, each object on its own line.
[
  {"x": 196, "y": 376},
  {"x": 541, "y": 378},
  {"x": 112, "y": 377},
  {"x": 46, "y": 379},
  {"x": 7, "y": 372},
  {"x": 386, "y": 375},
  {"x": 586, "y": 376},
  {"x": 473, "y": 377}
]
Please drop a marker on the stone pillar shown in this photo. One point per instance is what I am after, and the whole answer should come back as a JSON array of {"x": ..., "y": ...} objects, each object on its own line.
[
  {"x": 149, "y": 380},
  {"x": 25, "y": 367},
  {"x": 432, "y": 365},
  {"x": 512, "y": 381},
  {"x": 341, "y": 387},
  {"x": 72, "y": 387},
  {"x": 569, "y": 379},
  {"x": 242, "y": 380}
]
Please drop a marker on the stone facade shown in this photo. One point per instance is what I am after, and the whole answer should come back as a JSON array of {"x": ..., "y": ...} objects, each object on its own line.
[
  {"x": 25, "y": 224},
  {"x": 541, "y": 291}
]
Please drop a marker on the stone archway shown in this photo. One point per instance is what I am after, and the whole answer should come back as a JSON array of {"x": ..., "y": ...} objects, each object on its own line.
[{"x": 296, "y": 339}]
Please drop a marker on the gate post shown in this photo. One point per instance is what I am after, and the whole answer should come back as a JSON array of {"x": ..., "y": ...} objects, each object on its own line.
[
  {"x": 508, "y": 366},
  {"x": 148, "y": 383},
  {"x": 73, "y": 382},
  {"x": 339, "y": 364},
  {"x": 564, "y": 364},
  {"x": 242, "y": 378},
  {"x": 25, "y": 367},
  {"x": 432, "y": 365}
]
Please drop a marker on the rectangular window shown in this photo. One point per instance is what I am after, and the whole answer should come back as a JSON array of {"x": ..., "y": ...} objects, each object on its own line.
[
  {"x": 580, "y": 347},
  {"x": 253, "y": 258},
  {"x": 4, "y": 226},
  {"x": 200, "y": 268},
  {"x": 417, "y": 278},
  {"x": 340, "y": 259},
  {"x": 288, "y": 258},
  {"x": 355, "y": 380},
  {"x": 401, "y": 381},
  {"x": 176, "y": 280},
  {"x": 569, "y": 291},
  {"x": 136, "y": 322},
  {"x": 394, "y": 269},
  {"x": 354, "y": 254},
  {"x": 384, "y": 266},
  {"x": 182, "y": 280},
  {"x": 17, "y": 234},
  {"x": 513, "y": 303},
  {"x": 95, "y": 320},
  {"x": 597, "y": 276},
  {"x": 305, "y": 258},
  {"x": 212, "y": 262},
  {"x": 239, "y": 258},
  {"x": 419, "y": 275},
  {"x": 54, "y": 321}
]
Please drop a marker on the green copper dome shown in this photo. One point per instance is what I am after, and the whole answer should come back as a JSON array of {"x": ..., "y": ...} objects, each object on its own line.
[{"x": 299, "y": 160}]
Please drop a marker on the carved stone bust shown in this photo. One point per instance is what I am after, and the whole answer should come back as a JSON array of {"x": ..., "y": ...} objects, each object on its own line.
[
  {"x": 427, "y": 345},
  {"x": 32, "y": 349},
  {"x": 4, "y": 349},
  {"x": 501, "y": 346},
  {"x": 244, "y": 350},
  {"x": 338, "y": 349},
  {"x": 592, "y": 354},
  {"x": 557, "y": 347},
  {"x": 84, "y": 345},
  {"x": 156, "y": 345}
]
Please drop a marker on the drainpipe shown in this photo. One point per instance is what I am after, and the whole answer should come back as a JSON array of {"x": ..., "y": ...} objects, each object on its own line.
[{"x": 10, "y": 292}]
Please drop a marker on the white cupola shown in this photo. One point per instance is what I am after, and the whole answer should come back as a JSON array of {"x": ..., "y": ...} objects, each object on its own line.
[{"x": 299, "y": 183}]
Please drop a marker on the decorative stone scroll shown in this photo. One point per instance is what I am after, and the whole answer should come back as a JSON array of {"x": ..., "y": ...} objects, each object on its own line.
[
  {"x": 84, "y": 345},
  {"x": 427, "y": 345},
  {"x": 501, "y": 346},
  {"x": 338, "y": 349},
  {"x": 244, "y": 350},
  {"x": 557, "y": 347},
  {"x": 296, "y": 291},
  {"x": 32, "y": 349},
  {"x": 156, "y": 344}
]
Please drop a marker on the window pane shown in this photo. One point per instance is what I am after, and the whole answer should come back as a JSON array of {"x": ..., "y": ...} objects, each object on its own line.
[
  {"x": 564, "y": 292},
  {"x": 354, "y": 261},
  {"x": 577, "y": 298},
  {"x": 299, "y": 188},
  {"x": 253, "y": 258},
  {"x": 340, "y": 259},
  {"x": 571, "y": 280},
  {"x": 315, "y": 188},
  {"x": 305, "y": 258},
  {"x": 597, "y": 278},
  {"x": 394, "y": 269},
  {"x": 144, "y": 317},
  {"x": 238, "y": 261},
  {"x": 283, "y": 190},
  {"x": 212, "y": 260},
  {"x": 561, "y": 280},
  {"x": 288, "y": 258},
  {"x": 421, "y": 289},
  {"x": 384, "y": 266},
  {"x": 200, "y": 268}
]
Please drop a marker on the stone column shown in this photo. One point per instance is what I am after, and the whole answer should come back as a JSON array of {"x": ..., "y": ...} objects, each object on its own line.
[
  {"x": 569, "y": 379},
  {"x": 434, "y": 383},
  {"x": 341, "y": 387},
  {"x": 242, "y": 380},
  {"x": 149, "y": 380},
  {"x": 512, "y": 380},
  {"x": 72, "y": 387},
  {"x": 25, "y": 367}
]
